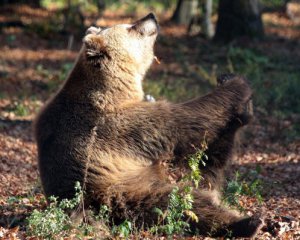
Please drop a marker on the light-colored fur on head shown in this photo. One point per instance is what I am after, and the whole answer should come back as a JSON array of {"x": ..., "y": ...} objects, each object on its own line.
[{"x": 113, "y": 62}]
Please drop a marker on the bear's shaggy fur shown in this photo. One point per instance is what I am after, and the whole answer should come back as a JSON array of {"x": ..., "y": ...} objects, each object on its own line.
[{"x": 98, "y": 130}]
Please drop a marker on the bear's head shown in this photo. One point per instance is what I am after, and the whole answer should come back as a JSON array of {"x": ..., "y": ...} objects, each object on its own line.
[{"x": 126, "y": 48}]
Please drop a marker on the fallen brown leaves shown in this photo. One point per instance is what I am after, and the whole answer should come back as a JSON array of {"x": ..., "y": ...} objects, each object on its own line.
[
  {"x": 11, "y": 233},
  {"x": 20, "y": 191},
  {"x": 18, "y": 161}
]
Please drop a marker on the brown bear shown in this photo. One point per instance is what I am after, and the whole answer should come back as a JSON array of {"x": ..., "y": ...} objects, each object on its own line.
[{"x": 98, "y": 130}]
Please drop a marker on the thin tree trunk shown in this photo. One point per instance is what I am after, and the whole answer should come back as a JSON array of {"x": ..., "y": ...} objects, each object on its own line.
[
  {"x": 208, "y": 28},
  {"x": 185, "y": 11},
  {"x": 175, "y": 15}
]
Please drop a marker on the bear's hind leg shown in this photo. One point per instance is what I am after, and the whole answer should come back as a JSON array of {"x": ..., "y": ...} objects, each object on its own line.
[
  {"x": 214, "y": 219},
  {"x": 218, "y": 221}
]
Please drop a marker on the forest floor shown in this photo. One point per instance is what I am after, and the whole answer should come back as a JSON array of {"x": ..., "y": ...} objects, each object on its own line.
[{"x": 34, "y": 61}]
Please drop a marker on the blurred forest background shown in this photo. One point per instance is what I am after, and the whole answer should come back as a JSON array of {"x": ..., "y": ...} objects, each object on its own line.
[{"x": 199, "y": 39}]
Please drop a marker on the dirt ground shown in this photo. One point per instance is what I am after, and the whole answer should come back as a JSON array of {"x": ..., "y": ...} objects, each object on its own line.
[{"x": 32, "y": 67}]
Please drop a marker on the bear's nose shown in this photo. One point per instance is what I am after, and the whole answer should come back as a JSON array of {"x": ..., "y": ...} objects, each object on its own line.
[
  {"x": 147, "y": 25},
  {"x": 150, "y": 16}
]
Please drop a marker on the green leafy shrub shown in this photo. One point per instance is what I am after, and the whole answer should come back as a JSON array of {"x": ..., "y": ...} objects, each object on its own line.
[
  {"x": 19, "y": 109},
  {"x": 123, "y": 230},
  {"x": 54, "y": 78},
  {"x": 54, "y": 222},
  {"x": 275, "y": 92},
  {"x": 275, "y": 83},
  {"x": 179, "y": 90},
  {"x": 243, "y": 185},
  {"x": 247, "y": 56},
  {"x": 173, "y": 219}
]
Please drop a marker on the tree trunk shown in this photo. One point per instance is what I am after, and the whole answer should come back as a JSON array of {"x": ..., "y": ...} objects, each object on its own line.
[
  {"x": 101, "y": 6},
  {"x": 185, "y": 11},
  {"x": 175, "y": 15},
  {"x": 208, "y": 28},
  {"x": 239, "y": 18}
]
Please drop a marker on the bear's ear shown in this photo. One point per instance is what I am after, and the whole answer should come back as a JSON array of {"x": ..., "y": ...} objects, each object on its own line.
[
  {"x": 95, "y": 49},
  {"x": 93, "y": 30}
]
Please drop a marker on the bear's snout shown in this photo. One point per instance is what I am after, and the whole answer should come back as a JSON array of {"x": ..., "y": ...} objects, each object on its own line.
[{"x": 146, "y": 26}]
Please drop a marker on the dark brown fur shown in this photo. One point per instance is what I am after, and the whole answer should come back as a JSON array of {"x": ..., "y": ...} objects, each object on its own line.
[{"x": 98, "y": 130}]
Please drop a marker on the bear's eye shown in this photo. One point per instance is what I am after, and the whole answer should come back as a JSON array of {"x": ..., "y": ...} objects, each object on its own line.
[
  {"x": 95, "y": 56},
  {"x": 135, "y": 29}
]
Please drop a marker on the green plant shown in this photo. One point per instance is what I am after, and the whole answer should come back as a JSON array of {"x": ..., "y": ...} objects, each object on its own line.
[
  {"x": 174, "y": 219},
  {"x": 142, "y": 7},
  {"x": 104, "y": 213},
  {"x": 273, "y": 3},
  {"x": 179, "y": 90},
  {"x": 247, "y": 56},
  {"x": 275, "y": 83},
  {"x": 123, "y": 230},
  {"x": 63, "y": 73},
  {"x": 54, "y": 222},
  {"x": 54, "y": 78},
  {"x": 12, "y": 200},
  {"x": 41, "y": 70},
  {"x": 47, "y": 27},
  {"x": 247, "y": 184},
  {"x": 19, "y": 109},
  {"x": 11, "y": 38},
  {"x": 194, "y": 161},
  {"x": 49, "y": 224},
  {"x": 3, "y": 95}
]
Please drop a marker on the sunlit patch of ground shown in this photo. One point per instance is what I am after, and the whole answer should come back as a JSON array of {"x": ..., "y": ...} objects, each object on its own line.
[{"x": 284, "y": 25}]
